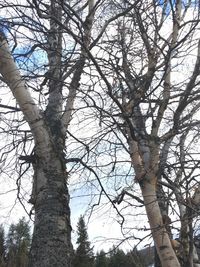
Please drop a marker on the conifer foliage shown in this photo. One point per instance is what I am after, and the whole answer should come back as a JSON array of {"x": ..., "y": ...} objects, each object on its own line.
[
  {"x": 2, "y": 247},
  {"x": 116, "y": 257},
  {"x": 84, "y": 256},
  {"x": 14, "y": 247},
  {"x": 101, "y": 259}
]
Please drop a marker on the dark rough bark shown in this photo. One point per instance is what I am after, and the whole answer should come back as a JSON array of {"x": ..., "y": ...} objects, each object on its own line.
[
  {"x": 157, "y": 262},
  {"x": 52, "y": 229}
]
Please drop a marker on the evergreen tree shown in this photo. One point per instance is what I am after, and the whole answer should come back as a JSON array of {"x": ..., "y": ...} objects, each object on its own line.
[
  {"x": 136, "y": 259},
  {"x": 118, "y": 258},
  {"x": 18, "y": 244},
  {"x": 2, "y": 247},
  {"x": 11, "y": 247},
  {"x": 101, "y": 259},
  {"x": 84, "y": 253}
]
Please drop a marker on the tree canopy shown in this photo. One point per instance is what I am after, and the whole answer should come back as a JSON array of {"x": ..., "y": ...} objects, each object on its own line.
[{"x": 103, "y": 95}]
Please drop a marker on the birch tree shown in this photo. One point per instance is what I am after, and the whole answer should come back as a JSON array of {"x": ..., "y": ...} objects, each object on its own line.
[
  {"x": 133, "y": 67},
  {"x": 146, "y": 95},
  {"x": 47, "y": 27}
]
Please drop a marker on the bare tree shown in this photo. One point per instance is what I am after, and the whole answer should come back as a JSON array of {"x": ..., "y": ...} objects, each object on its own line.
[
  {"x": 46, "y": 102},
  {"x": 129, "y": 70},
  {"x": 146, "y": 95}
]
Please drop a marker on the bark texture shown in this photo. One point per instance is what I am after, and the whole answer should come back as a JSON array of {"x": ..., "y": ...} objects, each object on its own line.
[
  {"x": 51, "y": 242},
  {"x": 52, "y": 229},
  {"x": 145, "y": 159},
  {"x": 163, "y": 245},
  {"x": 51, "y": 245}
]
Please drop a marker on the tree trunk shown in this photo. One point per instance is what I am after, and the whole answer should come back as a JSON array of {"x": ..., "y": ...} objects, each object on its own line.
[
  {"x": 157, "y": 262},
  {"x": 161, "y": 238},
  {"x": 51, "y": 244},
  {"x": 52, "y": 229},
  {"x": 145, "y": 158}
]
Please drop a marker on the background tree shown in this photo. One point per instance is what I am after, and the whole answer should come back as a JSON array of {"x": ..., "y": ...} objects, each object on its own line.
[
  {"x": 101, "y": 260},
  {"x": 118, "y": 258},
  {"x": 18, "y": 244},
  {"x": 2, "y": 247},
  {"x": 84, "y": 253}
]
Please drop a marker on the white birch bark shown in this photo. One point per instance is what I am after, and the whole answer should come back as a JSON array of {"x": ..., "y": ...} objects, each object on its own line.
[
  {"x": 51, "y": 242},
  {"x": 148, "y": 182},
  {"x": 161, "y": 238},
  {"x": 11, "y": 74},
  {"x": 50, "y": 195}
]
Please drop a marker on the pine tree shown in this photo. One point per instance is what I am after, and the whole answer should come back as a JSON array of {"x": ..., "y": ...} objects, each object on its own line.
[
  {"x": 2, "y": 247},
  {"x": 101, "y": 259},
  {"x": 118, "y": 258},
  {"x": 18, "y": 244},
  {"x": 11, "y": 246},
  {"x": 84, "y": 253}
]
